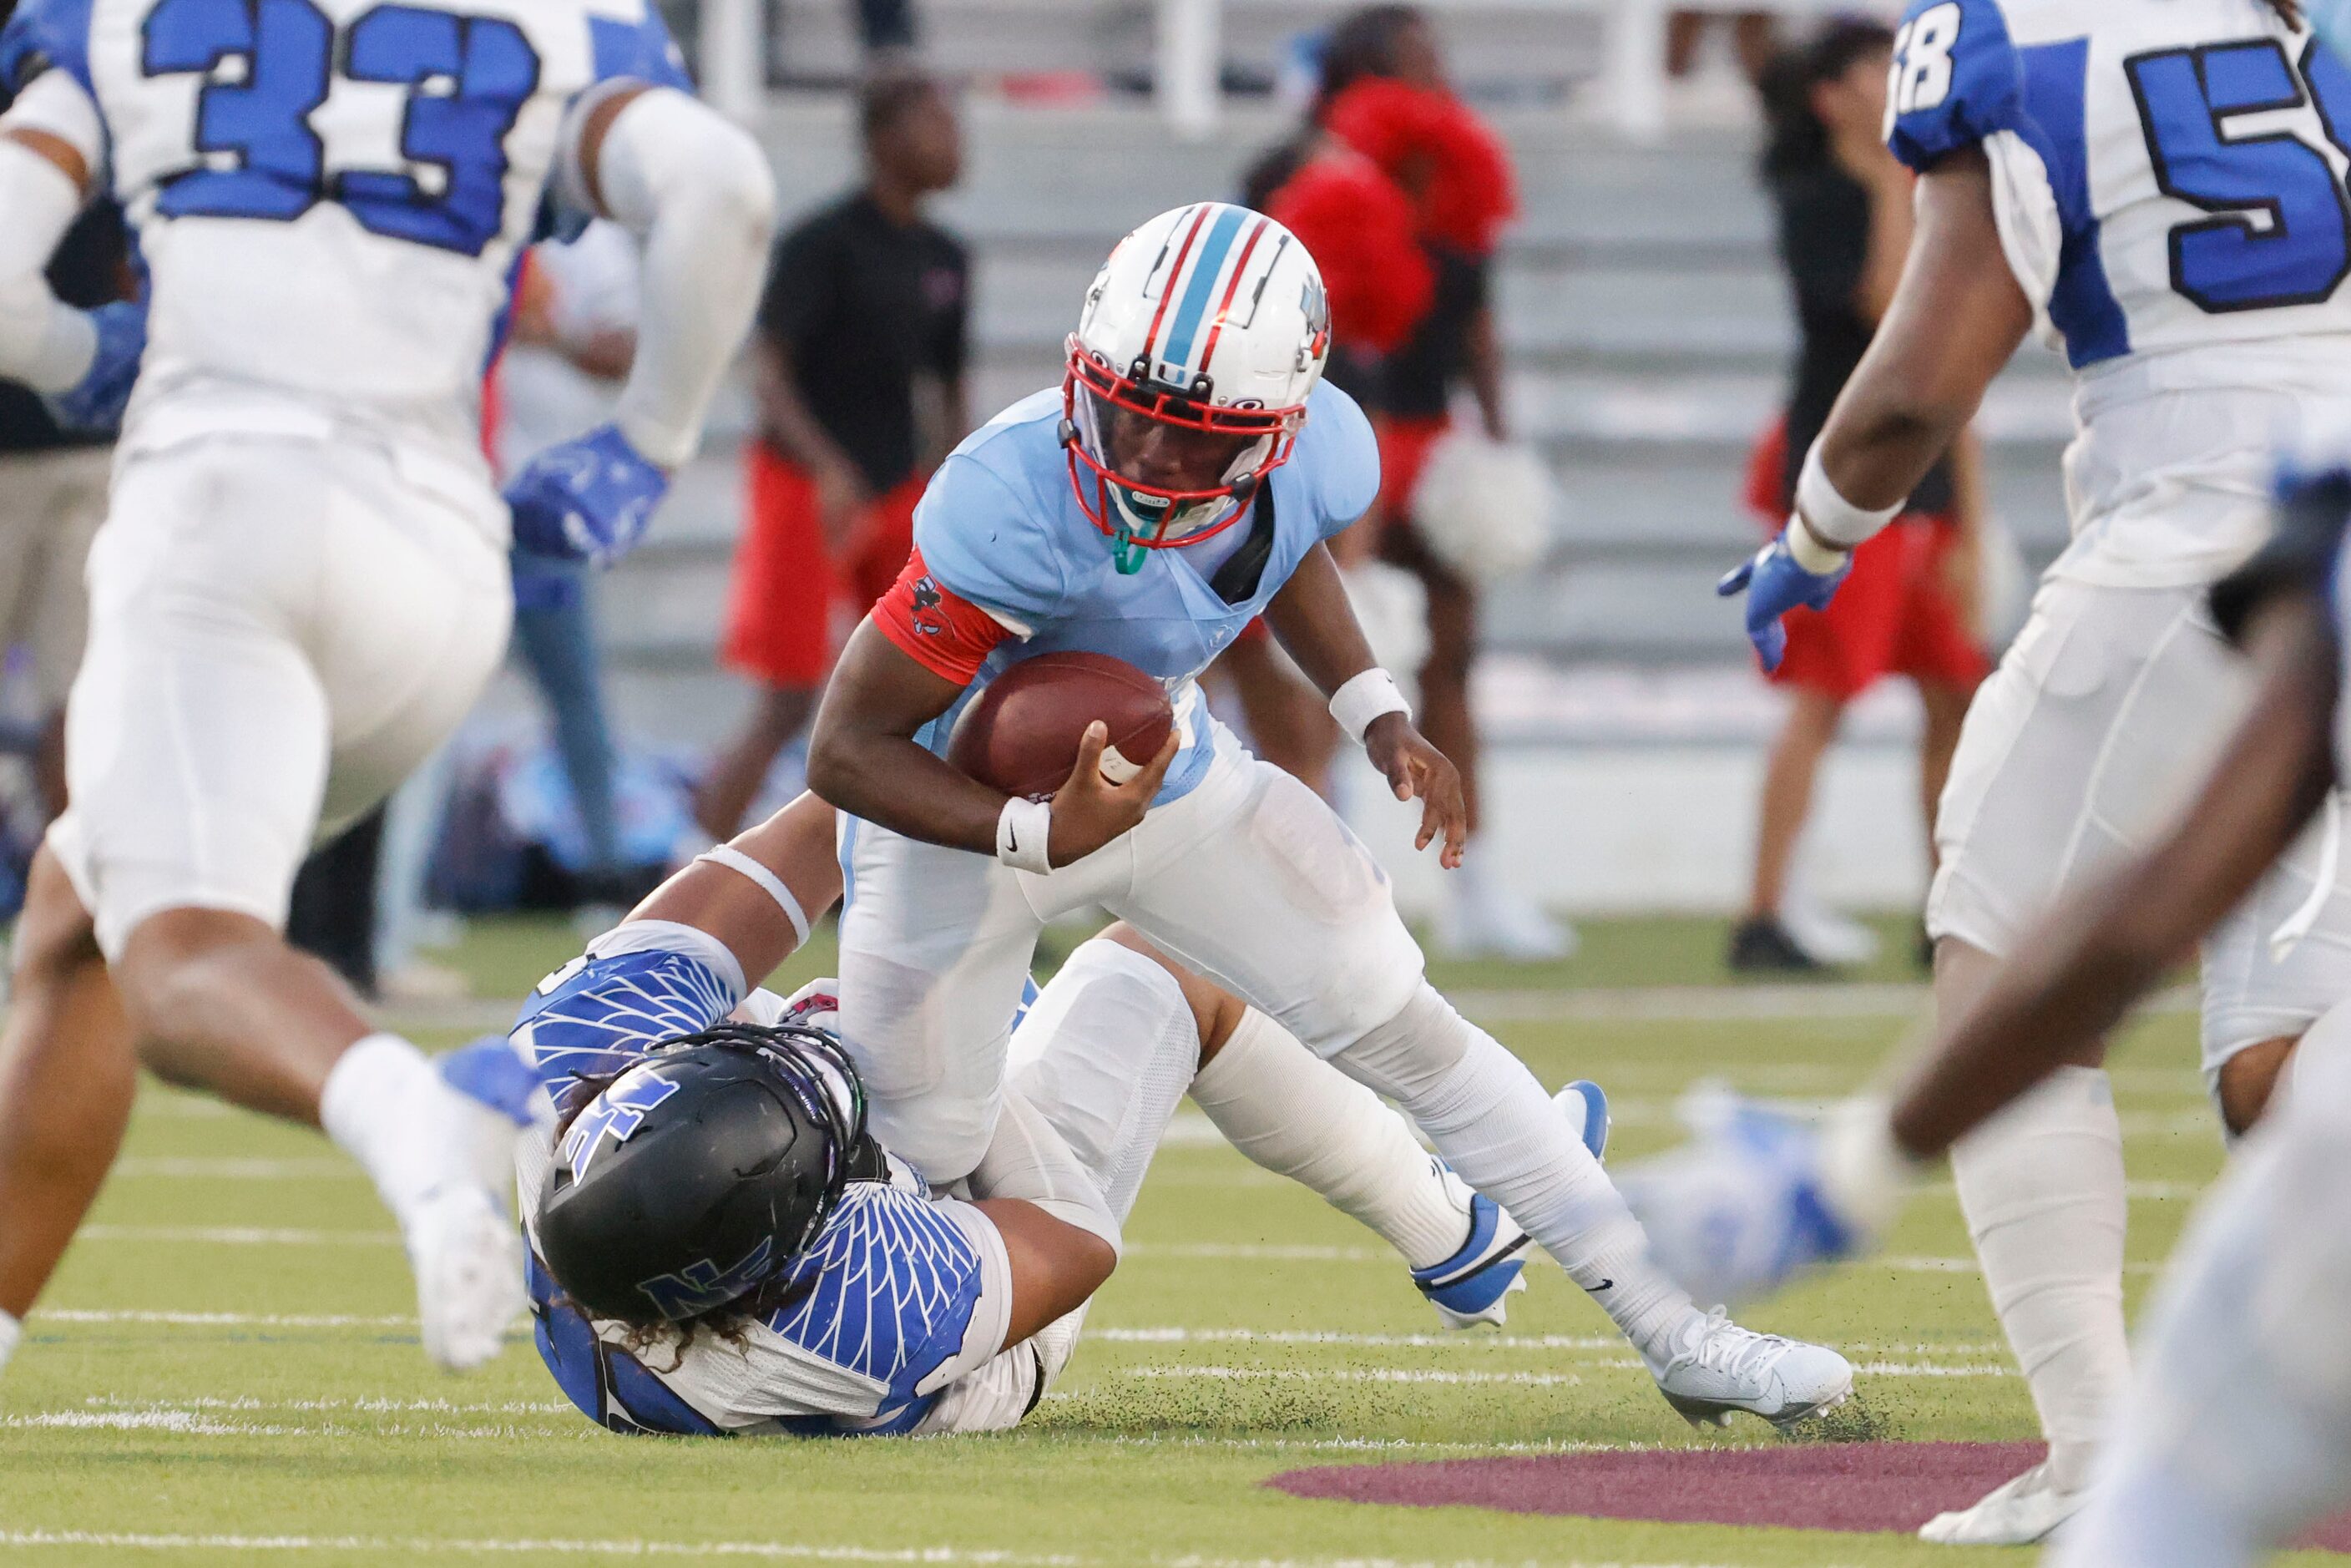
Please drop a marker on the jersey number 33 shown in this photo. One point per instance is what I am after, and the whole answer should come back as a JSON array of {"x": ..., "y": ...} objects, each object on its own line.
[{"x": 269, "y": 65}]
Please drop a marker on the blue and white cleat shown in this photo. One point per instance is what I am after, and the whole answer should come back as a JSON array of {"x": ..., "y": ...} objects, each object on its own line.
[
  {"x": 1469, "y": 1288},
  {"x": 1586, "y": 1109},
  {"x": 1743, "y": 1207}
]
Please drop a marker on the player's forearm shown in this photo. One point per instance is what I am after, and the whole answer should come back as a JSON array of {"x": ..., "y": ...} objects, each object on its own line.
[
  {"x": 2074, "y": 979},
  {"x": 1956, "y": 317},
  {"x": 761, "y": 904},
  {"x": 863, "y": 756},
  {"x": 1316, "y": 625},
  {"x": 45, "y": 344},
  {"x": 890, "y": 780},
  {"x": 697, "y": 192}
]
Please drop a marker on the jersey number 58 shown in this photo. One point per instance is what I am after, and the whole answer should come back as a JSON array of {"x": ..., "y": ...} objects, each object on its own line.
[{"x": 268, "y": 65}]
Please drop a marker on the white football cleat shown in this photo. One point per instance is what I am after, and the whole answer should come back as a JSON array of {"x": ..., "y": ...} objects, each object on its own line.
[
  {"x": 468, "y": 1256},
  {"x": 1720, "y": 1368},
  {"x": 2017, "y": 1512}
]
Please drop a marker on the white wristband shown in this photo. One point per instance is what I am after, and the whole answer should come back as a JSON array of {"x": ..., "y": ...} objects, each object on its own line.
[
  {"x": 1833, "y": 519},
  {"x": 1367, "y": 696},
  {"x": 1022, "y": 833},
  {"x": 1807, "y": 552},
  {"x": 771, "y": 884}
]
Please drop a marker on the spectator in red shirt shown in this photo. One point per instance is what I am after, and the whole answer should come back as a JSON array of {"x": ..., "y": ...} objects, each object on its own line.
[
  {"x": 1845, "y": 226},
  {"x": 863, "y": 333}
]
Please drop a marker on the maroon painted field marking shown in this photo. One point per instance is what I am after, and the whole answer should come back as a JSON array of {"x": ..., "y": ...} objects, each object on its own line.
[{"x": 1854, "y": 1487}]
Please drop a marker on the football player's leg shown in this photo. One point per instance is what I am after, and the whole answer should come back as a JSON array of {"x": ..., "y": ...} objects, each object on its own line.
[
  {"x": 1316, "y": 942},
  {"x": 232, "y": 613},
  {"x": 1296, "y": 1115},
  {"x": 68, "y": 1073},
  {"x": 2235, "y": 1433},
  {"x": 2278, "y": 962},
  {"x": 2100, "y": 717},
  {"x": 934, "y": 951}
]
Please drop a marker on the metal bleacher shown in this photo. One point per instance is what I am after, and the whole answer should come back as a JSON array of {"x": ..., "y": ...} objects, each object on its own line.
[{"x": 1639, "y": 300}]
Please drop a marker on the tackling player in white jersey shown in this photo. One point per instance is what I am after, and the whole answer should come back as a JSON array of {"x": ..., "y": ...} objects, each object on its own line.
[
  {"x": 2162, "y": 189},
  {"x": 302, "y": 583}
]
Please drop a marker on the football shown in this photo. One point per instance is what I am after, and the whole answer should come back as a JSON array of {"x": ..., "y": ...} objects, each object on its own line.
[{"x": 1020, "y": 734}]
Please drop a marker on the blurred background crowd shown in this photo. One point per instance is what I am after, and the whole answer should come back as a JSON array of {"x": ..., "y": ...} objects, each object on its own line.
[{"x": 1597, "y": 269}]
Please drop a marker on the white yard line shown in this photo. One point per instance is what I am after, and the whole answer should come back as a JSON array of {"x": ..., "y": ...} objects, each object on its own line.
[
  {"x": 238, "y": 1236},
  {"x": 775, "y": 1550},
  {"x": 222, "y": 1320},
  {"x": 1181, "y": 1372},
  {"x": 187, "y": 1169}
]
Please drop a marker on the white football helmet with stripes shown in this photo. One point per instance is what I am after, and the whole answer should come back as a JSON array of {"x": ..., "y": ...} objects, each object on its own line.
[{"x": 1208, "y": 323}]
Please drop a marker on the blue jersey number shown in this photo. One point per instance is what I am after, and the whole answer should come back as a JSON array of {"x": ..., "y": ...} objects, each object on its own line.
[
  {"x": 2284, "y": 234},
  {"x": 269, "y": 64}
]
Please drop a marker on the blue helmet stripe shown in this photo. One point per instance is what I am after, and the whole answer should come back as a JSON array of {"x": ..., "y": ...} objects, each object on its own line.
[{"x": 1189, "y": 315}]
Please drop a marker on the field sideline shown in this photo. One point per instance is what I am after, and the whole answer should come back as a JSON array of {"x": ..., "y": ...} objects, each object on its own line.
[{"x": 227, "y": 1370}]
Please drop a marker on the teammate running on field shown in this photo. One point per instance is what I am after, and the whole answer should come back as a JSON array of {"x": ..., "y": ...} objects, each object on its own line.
[
  {"x": 2162, "y": 189},
  {"x": 1180, "y": 482},
  {"x": 831, "y": 1292},
  {"x": 303, "y": 581}
]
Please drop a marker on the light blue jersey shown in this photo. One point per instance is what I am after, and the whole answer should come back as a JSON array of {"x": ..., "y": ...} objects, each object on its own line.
[{"x": 1000, "y": 528}]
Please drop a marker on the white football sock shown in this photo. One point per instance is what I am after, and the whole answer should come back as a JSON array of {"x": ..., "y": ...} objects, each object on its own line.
[
  {"x": 1298, "y": 1116},
  {"x": 388, "y": 1109},
  {"x": 1496, "y": 1128},
  {"x": 11, "y": 1331},
  {"x": 2238, "y": 1434},
  {"x": 2042, "y": 1185}
]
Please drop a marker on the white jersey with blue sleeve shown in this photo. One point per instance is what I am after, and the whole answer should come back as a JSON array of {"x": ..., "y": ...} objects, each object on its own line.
[
  {"x": 1008, "y": 565},
  {"x": 2170, "y": 182},
  {"x": 901, "y": 1293},
  {"x": 329, "y": 196}
]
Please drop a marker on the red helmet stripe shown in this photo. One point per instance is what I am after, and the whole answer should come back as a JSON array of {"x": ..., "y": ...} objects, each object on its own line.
[
  {"x": 1167, "y": 290},
  {"x": 1208, "y": 354}
]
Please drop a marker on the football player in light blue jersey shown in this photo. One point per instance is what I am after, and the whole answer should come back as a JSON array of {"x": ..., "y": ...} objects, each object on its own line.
[
  {"x": 303, "y": 584},
  {"x": 2162, "y": 189},
  {"x": 1181, "y": 483},
  {"x": 719, "y": 1247}
]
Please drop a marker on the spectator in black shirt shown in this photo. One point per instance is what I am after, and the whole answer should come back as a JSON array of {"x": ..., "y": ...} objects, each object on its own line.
[
  {"x": 53, "y": 486},
  {"x": 859, "y": 355},
  {"x": 1845, "y": 226}
]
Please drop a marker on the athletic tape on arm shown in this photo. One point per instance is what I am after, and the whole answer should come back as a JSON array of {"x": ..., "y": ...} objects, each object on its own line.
[{"x": 771, "y": 884}]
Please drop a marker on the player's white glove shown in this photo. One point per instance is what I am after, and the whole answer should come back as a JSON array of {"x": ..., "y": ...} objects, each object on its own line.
[
  {"x": 591, "y": 500},
  {"x": 97, "y": 401},
  {"x": 1757, "y": 1198}
]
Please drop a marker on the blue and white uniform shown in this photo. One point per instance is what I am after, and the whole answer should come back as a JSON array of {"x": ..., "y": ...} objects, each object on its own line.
[
  {"x": 302, "y": 585},
  {"x": 905, "y": 1294},
  {"x": 2170, "y": 186},
  {"x": 1239, "y": 871}
]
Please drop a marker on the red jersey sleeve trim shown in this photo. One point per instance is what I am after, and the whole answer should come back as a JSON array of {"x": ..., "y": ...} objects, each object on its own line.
[{"x": 948, "y": 635}]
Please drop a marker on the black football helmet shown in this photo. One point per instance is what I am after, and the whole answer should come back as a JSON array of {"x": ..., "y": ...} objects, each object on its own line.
[{"x": 702, "y": 1173}]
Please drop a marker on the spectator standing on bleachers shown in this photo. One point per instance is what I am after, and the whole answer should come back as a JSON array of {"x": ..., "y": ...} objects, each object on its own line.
[
  {"x": 1844, "y": 205},
  {"x": 53, "y": 486},
  {"x": 859, "y": 355}
]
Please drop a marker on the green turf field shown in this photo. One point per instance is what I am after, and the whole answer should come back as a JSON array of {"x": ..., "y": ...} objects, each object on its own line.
[{"x": 227, "y": 1370}]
